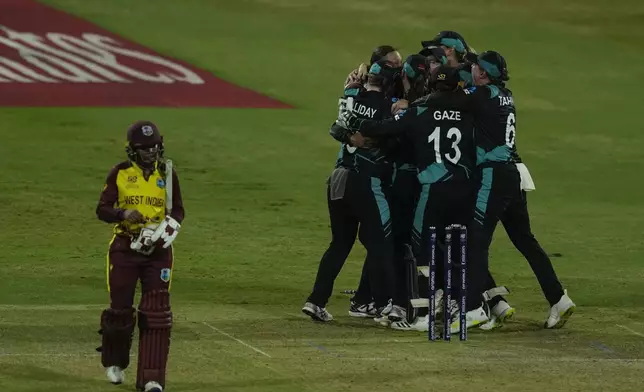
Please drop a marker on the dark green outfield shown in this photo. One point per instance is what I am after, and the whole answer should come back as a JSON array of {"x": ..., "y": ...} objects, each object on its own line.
[{"x": 254, "y": 180}]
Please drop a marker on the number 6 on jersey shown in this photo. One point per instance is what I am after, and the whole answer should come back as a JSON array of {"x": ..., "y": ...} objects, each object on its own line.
[{"x": 510, "y": 132}]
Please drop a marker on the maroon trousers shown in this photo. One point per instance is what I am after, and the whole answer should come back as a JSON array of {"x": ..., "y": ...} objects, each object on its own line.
[{"x": 126, "y": 267}]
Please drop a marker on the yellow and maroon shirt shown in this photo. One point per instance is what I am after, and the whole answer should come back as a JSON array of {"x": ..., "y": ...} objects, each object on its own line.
[{"x": 127, "y": 188}]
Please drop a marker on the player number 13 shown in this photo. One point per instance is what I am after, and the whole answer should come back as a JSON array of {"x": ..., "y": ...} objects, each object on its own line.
[{"x": 454, "y": 135}]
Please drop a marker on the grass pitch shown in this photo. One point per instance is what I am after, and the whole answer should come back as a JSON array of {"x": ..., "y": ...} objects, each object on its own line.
[{"x": 254, "y": 180}]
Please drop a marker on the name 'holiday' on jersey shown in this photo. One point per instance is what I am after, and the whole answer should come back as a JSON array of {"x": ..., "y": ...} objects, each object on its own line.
[
  {"x": 495, "y": 117},
  {"x": 373, "y": 161}
]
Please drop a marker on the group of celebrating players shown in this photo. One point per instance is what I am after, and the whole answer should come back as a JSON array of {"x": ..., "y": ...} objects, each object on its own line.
[
  {"x": 428, "y": 143},
  {"x": 425, "y": 143}
]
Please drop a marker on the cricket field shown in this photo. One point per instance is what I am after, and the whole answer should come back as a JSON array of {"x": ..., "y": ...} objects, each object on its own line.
[{"x": 253, "y": 183}]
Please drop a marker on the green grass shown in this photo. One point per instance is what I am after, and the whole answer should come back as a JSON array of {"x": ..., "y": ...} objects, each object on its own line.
[{"x": 254, "y": 180}]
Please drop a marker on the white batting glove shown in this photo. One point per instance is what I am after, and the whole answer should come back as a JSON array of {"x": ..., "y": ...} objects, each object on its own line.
[
  {"x": 166, "y": 232},
  {"x": 143, "y": 243}
]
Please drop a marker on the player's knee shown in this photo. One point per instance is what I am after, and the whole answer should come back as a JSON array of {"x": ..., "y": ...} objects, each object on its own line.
[
  {"x": 116, "y": 320},
  {"x": 378, "y": 245},
  {"x": 154, "y": 311},
  {"x": 523, "y": 240},
  {"x": 341, "y": 247}
]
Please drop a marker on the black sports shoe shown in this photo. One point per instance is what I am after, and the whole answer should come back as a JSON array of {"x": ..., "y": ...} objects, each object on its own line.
[{"x": 362, "y": 310}]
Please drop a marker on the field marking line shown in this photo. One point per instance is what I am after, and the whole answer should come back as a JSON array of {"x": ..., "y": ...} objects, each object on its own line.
[
  {"x": 48, "y": 355},
  {"x": 53, "y": 307},
  {"x": 631, "y": 331},
  {"x": 502, "y": 360},
  {"x": 602, "y": 347},
  {"x": 235, "y": 339}
]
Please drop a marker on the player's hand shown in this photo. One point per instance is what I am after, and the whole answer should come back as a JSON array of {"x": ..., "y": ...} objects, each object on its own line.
[
  {"x": 357, "y": 76},
  {"x": 143, "y": 243},
  {"x": 133, "y": 216},
  {"x": 370, "y": 143},
  {"x": 348, "y": 120},
  {"x": 357, "y": 140},
  {"x": 399, "y": 106},
  {"x": 166, "y": 232},
  {"x": 363, "y": 71},
  {"x": 343, "y": 118},
  {"x": 353, "y": 78}
]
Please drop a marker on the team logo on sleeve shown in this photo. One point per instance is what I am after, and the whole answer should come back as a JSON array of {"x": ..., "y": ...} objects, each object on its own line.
[
  {"x": 165, "y": 274},
  {"x": 160, "y": 183}
]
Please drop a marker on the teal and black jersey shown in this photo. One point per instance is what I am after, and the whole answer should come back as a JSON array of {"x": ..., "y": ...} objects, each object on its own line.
[
  {"x": 495, "y": 118},
  {"x": 440, "y": 127},
  {"x": 376, "y": 160},
  {"x": 403, "y": 154}
]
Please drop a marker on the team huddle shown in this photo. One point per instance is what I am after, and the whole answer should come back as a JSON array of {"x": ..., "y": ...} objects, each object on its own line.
[{"x": 427, "y": 143}]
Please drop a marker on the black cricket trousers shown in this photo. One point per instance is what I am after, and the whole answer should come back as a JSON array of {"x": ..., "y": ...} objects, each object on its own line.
[
  {"x": 402, "y": 199},
  {"x": 516, "y": 221},
  {"x": 441, "y": 204},
  {"x": 499, "y": 197},
  {"x": 363, "y": 211}
]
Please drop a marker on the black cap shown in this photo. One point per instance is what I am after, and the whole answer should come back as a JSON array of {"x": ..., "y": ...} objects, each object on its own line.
[
  {"x": 448, "y": 38},
  {"x": 446, "y": 76},
  {"x": 494, "y": 64},
  {"x": 465, "y": 74},
  {"x": 471, "y": 57},
  {"x": 415, "y": 65},
  {"x": 434, "y": 51},
  {"x": 385, "y": 69},
  {"x": 143, "y": 134}
]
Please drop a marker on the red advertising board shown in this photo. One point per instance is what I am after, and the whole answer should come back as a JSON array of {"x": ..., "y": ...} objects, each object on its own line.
[{"x": 51, "y": 58}]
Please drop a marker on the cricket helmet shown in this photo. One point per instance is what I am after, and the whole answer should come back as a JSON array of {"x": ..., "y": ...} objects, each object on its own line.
[{"x": 144, "y": 135}]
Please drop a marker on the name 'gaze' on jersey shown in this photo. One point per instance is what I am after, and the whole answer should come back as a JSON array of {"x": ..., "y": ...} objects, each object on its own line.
[
  {"x": 441, "y": 129},
  {"x": 444, "y": 125}
]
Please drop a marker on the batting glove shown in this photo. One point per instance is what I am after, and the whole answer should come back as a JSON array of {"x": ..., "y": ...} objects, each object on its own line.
[
  {"x": 166, "y": 232},
  {"x": 143, "y": 243},
  {"x": 349, "y": 120}
]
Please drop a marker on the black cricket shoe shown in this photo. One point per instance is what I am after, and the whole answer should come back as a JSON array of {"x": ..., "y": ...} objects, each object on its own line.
[{"x": 362, "y": 310}]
